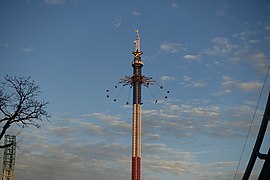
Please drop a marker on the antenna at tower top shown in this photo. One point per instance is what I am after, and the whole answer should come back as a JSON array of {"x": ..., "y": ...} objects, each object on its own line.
[{"x": 137, "y": 42}]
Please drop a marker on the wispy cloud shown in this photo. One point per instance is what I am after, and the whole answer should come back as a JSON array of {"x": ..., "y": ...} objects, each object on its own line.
[
  {"x": 63, "y": 131},
  {"x": 222, "y": 10},
  {"x": 187, "y": 78},
  {"x": 115, "y": 125},
  {"x": 180, "y": 120},
  {"x": 212, "y": 111},
  {"x": 225, "y": 175},
  {"x": 167, "y": 78},
  {"x": 92, "y": 155},
  {"x": 175, "y": 5},
  {"x": 79, "y": 161},
  {"x": 246, "y": 47},
  {"x": 267, "y": 28},
  {"x": 27, "y": 49},
  {"x": 6, "y": 45},
  {"x": 175, "y": 161},
  {"x": 117, "y": 22},
  {"x": 171, "y": 47},
  {"x": 135, "y": 13},
  {"x": 227, "y": 84},
  {"x": 93, "y": 129},
  {"x": 253, "y": 39},
  {"x": 54, "y": 2},
  {"x": 230, "y": 83},
  {"x": 190, "y": 57},
  {"x": 250, "y": 31},
  {"x": 221, "y": 45},
  {"x": 189, "y": 82},
  {"x": 259, "y": 61},
  {"x": 250, "y": 85}
]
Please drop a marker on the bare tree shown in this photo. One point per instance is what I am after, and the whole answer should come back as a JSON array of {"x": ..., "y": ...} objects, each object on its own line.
[{"x": 19, "y": 104}]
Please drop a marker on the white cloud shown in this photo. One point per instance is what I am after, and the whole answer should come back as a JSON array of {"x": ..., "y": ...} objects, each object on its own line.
[
  {"x": 6, "y": 45},
  {"x": 187, "y": 78},
  {"x": 175, "y": 5},
  {"x": 181, "y": 120},
  {"x": 54, "y": 2},
  {"x": 227, "y": 175},
  {"x": 136, "y": 13},
  {"x": 167, "y": 78},
  {"x": 199, "y": 84},
  {"x": 63, "y": 131},
  {"x": 152, "y": 137},
  {"x": 259, "y": 61},
  {"x": 78, "y": 161},
  {"x": 230, "y": 83},
  {"x": 188, "y": 82},
  {"x": 250, "y": 86},
  {"x": 27, "y": 49},
  {"x": 117, "y": 22},
  {"x": 115, "y": 125},
  {"x": 171, "y": 47},
  {"x": 220, "y": 46},
  {"x": 46, "y": 154},
  {"x": 92, "y": 128},
  {"x": 190, "y": 57},
  {"x": 251, "y": 31},
  {"x": 104, "y": 117},
  {"x": 175, "y": 161},
  {"x": 213, "y": 111},
  {"x": 226, "y": 91},
  {"x": 222, "y": 10},
  {"x": 254, "y": 41}
]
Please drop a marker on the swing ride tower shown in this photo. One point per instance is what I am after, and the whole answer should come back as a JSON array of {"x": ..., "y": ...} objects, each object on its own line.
[{"x": 136, "y": 81}]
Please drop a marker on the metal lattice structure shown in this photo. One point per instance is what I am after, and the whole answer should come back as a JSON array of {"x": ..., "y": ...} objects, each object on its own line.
[
  {"x": 9, "y": 158},
  {"x": 265, "y": 171}
]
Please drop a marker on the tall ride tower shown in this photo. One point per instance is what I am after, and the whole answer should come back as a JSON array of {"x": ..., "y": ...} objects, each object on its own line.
[
  {"x": 136, "y": 81},
  {"x": 9, "y": 158}
]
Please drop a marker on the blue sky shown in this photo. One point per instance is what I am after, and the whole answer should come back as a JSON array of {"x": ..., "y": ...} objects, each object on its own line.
[{"x": 211, "y": 55}]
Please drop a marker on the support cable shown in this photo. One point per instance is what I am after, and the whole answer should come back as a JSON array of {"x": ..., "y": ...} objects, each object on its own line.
[
  {"x": 153, "y": 96},
  {"x": 129, "y": 93},
  {"x": 115, "y": 99},
  {"x": 251, "y": 124}
]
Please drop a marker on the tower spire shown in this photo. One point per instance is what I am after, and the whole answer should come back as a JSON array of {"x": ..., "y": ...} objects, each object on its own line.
[
  {"x": 137, "y": 53},
  {"x": 137, "y": 41}
]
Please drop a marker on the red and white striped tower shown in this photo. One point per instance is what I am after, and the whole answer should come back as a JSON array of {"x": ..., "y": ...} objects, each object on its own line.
[{"x": 136, "y": 81}]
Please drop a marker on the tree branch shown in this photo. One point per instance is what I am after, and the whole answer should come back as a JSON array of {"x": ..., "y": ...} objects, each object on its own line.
[{"x": 19, "y": 104}]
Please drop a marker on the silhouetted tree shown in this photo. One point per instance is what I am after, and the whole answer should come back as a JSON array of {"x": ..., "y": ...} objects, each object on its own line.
[{"x": 19, "y": 104}]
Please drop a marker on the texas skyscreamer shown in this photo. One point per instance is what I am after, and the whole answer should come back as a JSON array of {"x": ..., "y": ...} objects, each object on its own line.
[{"x": 136, "y": 81}]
